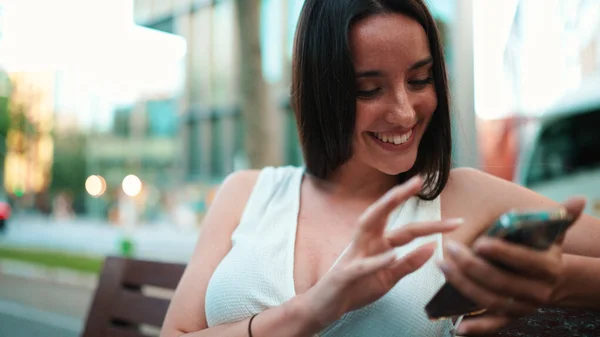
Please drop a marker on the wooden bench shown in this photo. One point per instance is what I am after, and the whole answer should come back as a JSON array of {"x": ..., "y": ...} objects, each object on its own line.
[{"x": 132, "y": 298}]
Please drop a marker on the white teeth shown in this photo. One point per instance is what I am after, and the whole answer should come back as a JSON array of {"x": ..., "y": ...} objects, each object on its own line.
[{"x": 394, "y": 139}]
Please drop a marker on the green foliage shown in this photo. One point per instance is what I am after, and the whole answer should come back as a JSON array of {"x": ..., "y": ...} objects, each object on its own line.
[
  {"x": 56, "y": 259},
  {"x": 69, "y": 170},
  {"x": 4, "y": 116},
  {"x": 20, "y": 121}
]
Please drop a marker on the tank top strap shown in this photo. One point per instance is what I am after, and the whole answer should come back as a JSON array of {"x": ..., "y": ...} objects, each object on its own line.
[
  {"x": 275, "y": 189},
  {"x": 416, "y": 210}
]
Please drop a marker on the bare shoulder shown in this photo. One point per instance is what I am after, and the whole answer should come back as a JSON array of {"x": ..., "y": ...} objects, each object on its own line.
[
  {"x": 225, "y": 212},
  {"x": 469, "y": 185},
  {"x": 235, "y": 191},
  {"x": 480, "y": 198}
]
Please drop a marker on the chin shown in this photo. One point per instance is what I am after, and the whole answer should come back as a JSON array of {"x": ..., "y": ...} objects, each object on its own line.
[{"x": 395, "y": 167}]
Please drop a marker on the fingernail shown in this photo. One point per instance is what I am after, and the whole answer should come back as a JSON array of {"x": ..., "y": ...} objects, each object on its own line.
[
  {"x": 390, "y": 255},
  {"x": 445, "y": 267},
  {"x": 455, "y": 221},
  {"x": 461, "y": 330},
  {"x": 453, "y": 247},
  {"x": 480, "y": 244}
]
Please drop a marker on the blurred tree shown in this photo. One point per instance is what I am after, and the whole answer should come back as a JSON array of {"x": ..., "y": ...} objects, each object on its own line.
[
  {"x": 260, "y": 146},
  {"x": 69, "y": 166},
  {"x": 4, "y": 125},
  {"x": 4, "y": 119}
]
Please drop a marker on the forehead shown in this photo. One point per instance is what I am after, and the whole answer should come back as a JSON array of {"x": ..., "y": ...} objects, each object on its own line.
[{"x": 386, "y": 39}]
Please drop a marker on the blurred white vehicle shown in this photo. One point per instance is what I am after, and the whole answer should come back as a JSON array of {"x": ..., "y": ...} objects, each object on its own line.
[{"x": 560, "y": 154}]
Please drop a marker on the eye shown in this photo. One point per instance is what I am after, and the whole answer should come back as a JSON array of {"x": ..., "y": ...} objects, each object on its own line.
[
  {"x": 366, "y": 94},
  {"x": 421, "y": 84}
]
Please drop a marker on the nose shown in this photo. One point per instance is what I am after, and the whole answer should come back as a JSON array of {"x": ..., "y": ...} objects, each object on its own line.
[{"x": 401, "y": 111}]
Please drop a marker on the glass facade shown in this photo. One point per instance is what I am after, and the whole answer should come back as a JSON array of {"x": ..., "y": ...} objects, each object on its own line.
[{"x": 211, "y": 124}]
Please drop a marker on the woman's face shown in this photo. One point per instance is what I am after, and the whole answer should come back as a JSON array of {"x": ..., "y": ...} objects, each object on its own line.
[{"x": 396, "y": 94}]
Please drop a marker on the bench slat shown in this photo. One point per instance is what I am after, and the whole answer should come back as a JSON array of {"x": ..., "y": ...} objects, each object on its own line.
[
  {"x": 164, "y": 275},
  {"x": 134, "y": 307}
]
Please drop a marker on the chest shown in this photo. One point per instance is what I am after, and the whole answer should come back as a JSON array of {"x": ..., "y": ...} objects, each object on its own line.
[{"x": 323, "y": 232}]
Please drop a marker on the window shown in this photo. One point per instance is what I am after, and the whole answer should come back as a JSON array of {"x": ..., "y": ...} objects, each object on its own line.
[
  {"x": 193, "y": 150},
  {"x": 162, "y": 118},
  {"x": 166, "y": 24},
  {"x": 121, "y": 121},
  {"x": 567, "y": 146},
  {"x": 216, "y": 148}
]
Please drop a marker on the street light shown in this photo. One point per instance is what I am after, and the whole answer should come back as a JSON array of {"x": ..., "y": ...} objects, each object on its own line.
[
  {"x": 132, "y": 185},
  {"x": 95, "y": 185}
]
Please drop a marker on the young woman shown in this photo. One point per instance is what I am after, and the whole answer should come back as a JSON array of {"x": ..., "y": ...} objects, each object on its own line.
[{"x": 348, "y": 245}]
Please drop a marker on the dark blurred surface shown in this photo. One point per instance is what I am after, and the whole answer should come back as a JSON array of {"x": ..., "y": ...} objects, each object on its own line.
[{"x": 556, "y": 323}]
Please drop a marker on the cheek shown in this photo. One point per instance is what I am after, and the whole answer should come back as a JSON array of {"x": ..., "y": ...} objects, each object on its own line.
[
  {"x": 427, "y": 104},
  {"x": 366, "y": 114}
]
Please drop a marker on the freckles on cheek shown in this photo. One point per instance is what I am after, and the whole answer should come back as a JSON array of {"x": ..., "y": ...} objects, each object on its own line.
[
  {"x": 364, "y": 118},
  {"x": 427, "y": 105}
]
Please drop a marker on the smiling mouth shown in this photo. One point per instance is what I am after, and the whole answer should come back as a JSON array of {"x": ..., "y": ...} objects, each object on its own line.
[{"x": 393, "y": 138}]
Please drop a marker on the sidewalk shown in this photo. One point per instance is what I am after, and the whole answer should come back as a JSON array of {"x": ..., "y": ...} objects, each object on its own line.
[
  {"x": 18, "y": 320},
  {"x": 48, "y": 302},
  {"x": 35, "y": 307}
]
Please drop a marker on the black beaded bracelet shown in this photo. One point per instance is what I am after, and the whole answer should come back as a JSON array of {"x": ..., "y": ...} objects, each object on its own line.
[{"x": 250, "y": 325}]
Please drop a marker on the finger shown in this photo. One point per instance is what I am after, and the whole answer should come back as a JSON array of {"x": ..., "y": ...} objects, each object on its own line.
[
  {"x": 412, "y": 261},
  {"x": 482, "y": 325},
  {"x": 575, "y": 206},
  {"x": 405, "y": 234},
  {"x": 371, "y": 264},
  {"x": 496, "y": 280},
  {"x": 560, "y": 240},
  {"x": 488, "y": 299},
  {"x": 373, "y": 219},
  {"x": 541, "y": 264}
]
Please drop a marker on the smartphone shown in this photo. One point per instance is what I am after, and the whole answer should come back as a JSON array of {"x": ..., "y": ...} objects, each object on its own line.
[{"x": 536, "y": 229}]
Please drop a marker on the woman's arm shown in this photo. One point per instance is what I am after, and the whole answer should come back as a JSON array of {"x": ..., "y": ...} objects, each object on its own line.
[
  {"x": 579, "y": 285},
  {"x": 186, "y": 315},
  {"x": 481, "y": 198},
  {"x": 291, "y": 319}
]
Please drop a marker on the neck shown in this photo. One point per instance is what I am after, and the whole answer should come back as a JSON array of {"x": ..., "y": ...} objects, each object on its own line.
[{"x": 352, "y": 180}]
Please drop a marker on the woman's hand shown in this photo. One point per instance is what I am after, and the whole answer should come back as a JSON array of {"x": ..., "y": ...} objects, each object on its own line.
[
  {"x": 369, "y": 268},
  {"x": 506, "y": 294}
]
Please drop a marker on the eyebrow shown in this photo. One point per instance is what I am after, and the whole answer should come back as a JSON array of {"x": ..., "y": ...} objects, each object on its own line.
[
  {"x": 421, "y": 63},
  {"x": 377, "y": 73},
  {"x": 369, "y": 73}
]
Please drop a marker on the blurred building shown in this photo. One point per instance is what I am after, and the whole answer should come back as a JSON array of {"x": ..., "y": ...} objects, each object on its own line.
[
  {"x": 71, "y": 84},
  {"x": 142, "y": 140},
  {"x": 211, "y": 123}
]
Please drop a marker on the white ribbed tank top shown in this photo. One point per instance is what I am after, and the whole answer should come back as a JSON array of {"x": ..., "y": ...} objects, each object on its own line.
[{"x": 257, "y": 273}]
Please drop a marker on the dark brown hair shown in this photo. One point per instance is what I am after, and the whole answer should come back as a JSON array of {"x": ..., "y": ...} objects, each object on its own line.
[{"x": 324, "y": 89}]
